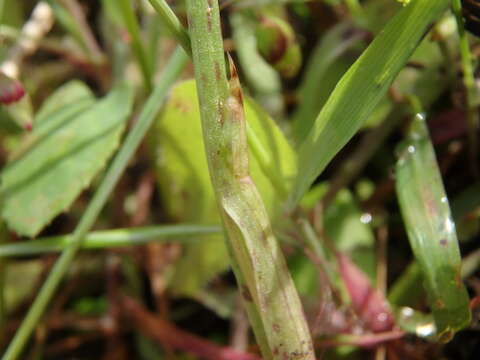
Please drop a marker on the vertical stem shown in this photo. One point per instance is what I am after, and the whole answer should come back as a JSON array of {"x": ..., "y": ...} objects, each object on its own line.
[
  {"x": 150, "y": 110},
  {"x": 134, "y": 30},
  {"x": 273, "y": 304},
  {"x": 469, "y": 83}
]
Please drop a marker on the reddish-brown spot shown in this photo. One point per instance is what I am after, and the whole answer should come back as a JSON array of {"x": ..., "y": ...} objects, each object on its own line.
[
  {"x": 443, "y": 242},
  {"x": 458, "y": 279},
  {"x": 475, "y": 303},
  {"x": 181, "y": 106},
  {"x": 218, "y": 73},
  {"x": 221, "y": 115},
  {"x": 209, "y": 20},
  {"x": 265, "y": 234},
  {"x": 28, "y": 126},
  {"x": 275, "y": 351},
  {"x": 439, "y": 304},
  {"x": 246, "y": 294},
  {"x": 276, "y": 328}
]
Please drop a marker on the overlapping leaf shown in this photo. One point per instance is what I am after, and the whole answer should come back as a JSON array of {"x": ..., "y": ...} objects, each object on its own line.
[{"x": 185, "y": 183}]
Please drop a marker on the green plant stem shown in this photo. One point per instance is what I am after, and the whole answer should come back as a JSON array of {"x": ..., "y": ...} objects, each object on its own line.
[
  {"x": 150, "y": 110},
  {"x": 271, "y": 299},
  {"x": 138, "y": 47},
  {"x": 181, "y": 34},
  {"x": 173, "y": 24},
  {"x": 110, "y": 238},
  {"x": 469, "y": 83}
]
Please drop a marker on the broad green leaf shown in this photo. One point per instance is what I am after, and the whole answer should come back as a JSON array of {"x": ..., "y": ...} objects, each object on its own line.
[
  {"x": 185, "y": 183},
  {"x": 362, "y": 88},
  {"x": 431, "y": 230},
  {"x": 60, "y": 159},
  {"x": 72, "y": 92}
]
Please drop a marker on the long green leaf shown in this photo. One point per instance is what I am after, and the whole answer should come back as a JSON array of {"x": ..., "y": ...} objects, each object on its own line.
[
  {"x": 431, "y": 230},
  {"x": 362, "y": 88},
  {"x": 111, "y": 238}
]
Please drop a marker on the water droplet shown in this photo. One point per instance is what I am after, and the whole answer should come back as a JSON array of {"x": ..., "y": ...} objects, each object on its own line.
[
  {"x": 420, "y": 116},
  {"x": 382, "y": 317},
  {"x": 411, "y": 149},
  {"x": 366, "y": 218},
  {"x": 425, "y": 330},
  {"x": 443, "y": 199},
  {"x": 449, "y": 225},
  {"x": 407, "y": 312}
]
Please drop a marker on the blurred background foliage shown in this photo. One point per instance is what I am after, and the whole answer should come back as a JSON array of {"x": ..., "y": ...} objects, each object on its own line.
[{"x": 86, "y": 79}]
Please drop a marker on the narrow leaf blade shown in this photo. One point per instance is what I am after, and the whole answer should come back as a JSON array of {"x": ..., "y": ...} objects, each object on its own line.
[
  {"x": 431, "y": 231},
  {"x": 361, "y": 89}
]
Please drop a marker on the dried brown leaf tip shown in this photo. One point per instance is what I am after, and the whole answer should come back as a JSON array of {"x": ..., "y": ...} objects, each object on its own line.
[
  {"x": 234, "y": 82},
  {"x": 11, "y": 90}
]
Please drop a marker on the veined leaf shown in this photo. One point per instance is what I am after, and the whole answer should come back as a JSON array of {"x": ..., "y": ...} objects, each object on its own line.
[
  {"x": 60, "y": 159},
  {"x": 72, "y": 92},
  {"x": 431, "y": 230},
  {"x": 362, "y": 88}
]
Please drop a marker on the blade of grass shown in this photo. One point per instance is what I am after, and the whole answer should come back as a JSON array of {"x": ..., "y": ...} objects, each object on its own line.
[
  {"x": 431, "y": 230},
  {"x": 133, "y": 139},
  {"x": 110, "y": 238},
  {"x": 70, "y": 15},
  {"x": 141, "y": 54},
  {"x": 272, "y": 302},
  {"x": 174, "y": 25},
  {"x": 361, "y": 89}
]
